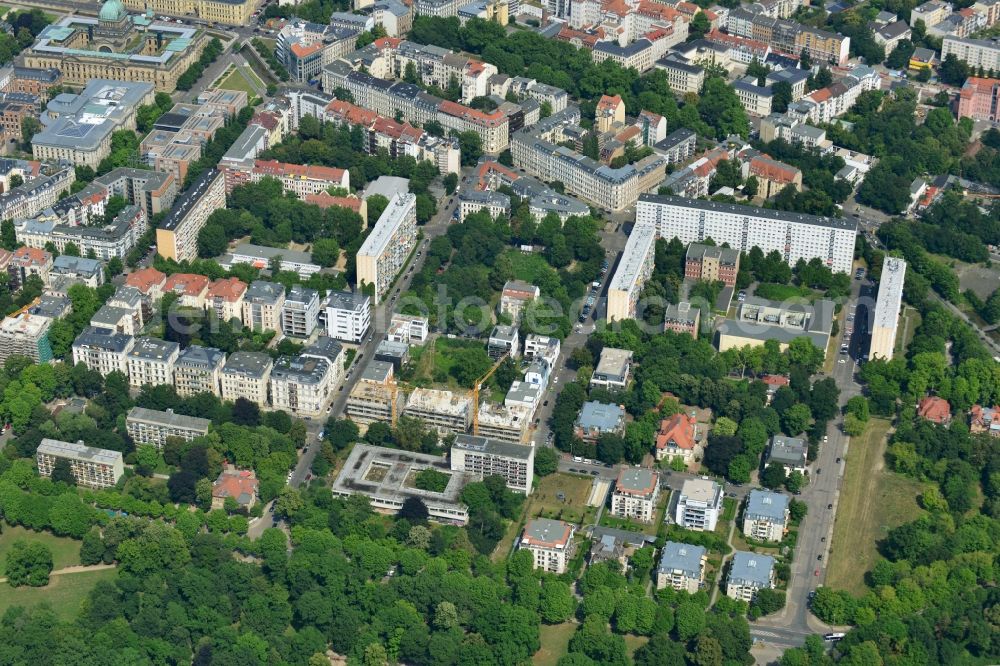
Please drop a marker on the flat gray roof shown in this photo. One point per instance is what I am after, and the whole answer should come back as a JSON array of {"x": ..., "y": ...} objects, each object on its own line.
[
  {"x": 168, "y": 418},
  {"x": 153, "y": 349},
  {"x": 751, "y": 211},
  {"x": 491, "y": 446},
  {"x": 254, "y": 364},
  {"x": 599, "y": 415},
  {"x": 766, "y": 505},
  {"x": 203, "y": 357},
  {"x": 78, "y": 451}
]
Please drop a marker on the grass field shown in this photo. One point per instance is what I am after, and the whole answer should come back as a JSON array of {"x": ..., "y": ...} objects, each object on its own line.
[
  {"x": 63, "y": 593},
  {"x": 237, "y": 80},
  {"x": 4, "y": 9},
  {"x": 909, "y": 321},
  {"x": 65, "y": 552},
  {"x": 872, "y": 501},
  {"x": 555, "y": 640},
  {"x": 529, "y": 267}
]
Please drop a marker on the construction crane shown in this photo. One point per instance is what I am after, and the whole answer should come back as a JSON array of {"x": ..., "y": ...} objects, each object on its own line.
[
  {"x": 26, "y": 308},
  {"x": 394, "y": 386},
  {"x": 477, "y": 387}
]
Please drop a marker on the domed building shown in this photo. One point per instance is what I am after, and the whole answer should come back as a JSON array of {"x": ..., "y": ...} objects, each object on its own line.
[{"x": 117, "y": 45}]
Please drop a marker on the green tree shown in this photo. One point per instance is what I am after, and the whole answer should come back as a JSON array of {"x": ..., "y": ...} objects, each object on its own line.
[
  {"x": 546, "y": 461},
  {"x": 853, "y": 426},
  {"x": 773, "y": 476},
  {"x": 62, "y": 471},
  {"x": 700, "y": 25},
  {"x": 796, "y": 419},
  {"x": 689, "y": 620},
  {"x": 557, "y": 602},
  {"x": 450, "y": 182},
  {"x": 8, "y": 235},
  {"x": 28, "y": 563}
]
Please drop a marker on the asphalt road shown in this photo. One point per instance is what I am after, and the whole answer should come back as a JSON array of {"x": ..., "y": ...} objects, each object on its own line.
[{"x": 789, "y": 627}]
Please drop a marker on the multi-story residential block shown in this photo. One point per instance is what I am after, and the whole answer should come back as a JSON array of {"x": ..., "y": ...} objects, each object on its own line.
[
  {"x": 484, "y": 456},
  {"x": 699, "y": 504},
  {"x": 91, "y": 467},
  {"x": 407, "y": 329},
  {"x": 791, "y": 453},
  {"x": 542, "y": 348},
  {"x": 300, "y": 180},
  {"x": 304, "y": 385},
  {"x": 262, "y": 304},
  {"x": 198, "y": 370},
  {"x": 77, "y": 270},
  {"x": 374, "y": 397},
  {"x": 503, "y": 341},
  {"x": 550, "y": 542},
  {"x": 224, "y": 298},
  {"x": 152, "y": 426},
  {"x": 613, "y": 368},
  {"x": 756, "y": 100},
  {"x": 598, "y": 418},
  {"x": 683, "y": 76},
  {"x": 712, "y": 263},
  {"x": 348, "y": 316},
  {"x": 682, "y": 567},
  {"x": 888, "y": 304},
  {"x": 794, "y": 235},
  {"x": 33, "y": 81},
  {"x": 177, "y": 236},
  {"x": 759, "y": 320},
  {"x": 979, "y": 99},
  {"x": 300, "y": 312},
  {"x": 149, "y": 282},
  {"x": 190, "y": 289},
  {"x": 515, "y": 297},
  {"x": 103, "y": 350},
  {"x": 826, "y": 104},
  {"x": 931, "y": 12},
  {"x": 387, "y": 247},
  {"x": 634, "y": 269},
  {"x": 151, "y": 362},
  {"x": 25, "y": 262},
  {"x": 748, "y": 574},
  {"x": 766, "y": 515},
  {"x": 446, "y": 411},
  {"x": 114, "y": 240},
  {"x": 152, "y": 191},
  {"x": 772, "y": 176},
  {"x": 25, "y": 335},
  {"x": 682, "y": 318},
  {"x": 636, "y": 492},
  {"x": 36, "y": 194},
  {"x": 80, "y": 126},
  {"x": 246, "y": 375},
  {"x": 304, "y": 47}
]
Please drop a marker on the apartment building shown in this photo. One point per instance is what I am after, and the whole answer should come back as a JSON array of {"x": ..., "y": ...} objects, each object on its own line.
[
  {"x": 300, "y": 180},
  {"x": 791, "y": 453},
  {"x": 304, "y": 385},
  {"x": 788, "y": 36},
  {"x": 77, "y": 270},
  {"x": 151, "y": 361},
  {"x": 224, "y": 298},
  {"x": 153, "y": 426},
  {"x": 756, "y": 100},
  {"x": 682, "y": 567},
  {"x": 198, "y": 370},
  {"x": 542, "y": 348},
  {"x": 113, "y": 240},
  {"x": 748, "y": 574},
  {"x": 699, "y": 504},
  {"x": 177, "y": 236},
  {"x": 677, "y": 437},
  {"x": 36, "y": 194},
  {"x": 503, "y": 341},
  {"x": 826, "y": 104},
  {"x": 550, "y": 542},
  {"x": 772, "y": 176},
  {"x": 304, "y": 47},
  {"x": 683, "y": 76},
  {"x": 246, "y": 375},
  {"x": 348, "y": 316},
  {"x": 979, "y": 99},
  {"x": 91, "y": 467},
  {"x": 262, "y": 305},
  {"x": 25, "y": 335},
  {"x": 712, "y": 263},
  {"x": 152, "y": 191},
  {"x": 300, "y": 312},
  {"x": 515, "y": 297},
  {"x": 613, "y": 368},
  {"x": 636, "y": 492},
  {"x": 446, "y": 411},
  {"x": 190, "y": 289},
  {"x": 374, "y": 397},
  {"x": 388, "y": 246},
  {"x": 103, "y": 350},
  {"x": 682, "y": 318},
  {"x": 505, "y": 423},
  {"x": 794, "y": 235},
  {"x": 149, "y": 281},
  {"x": 407, "y": 329},
  {"x": 598, "y": 418},
  {"x": 766, "y": 515},
  {"x": 484, "y": 457},
  {"x": 25, "y": 262},
  {"x": 888, "y": 305},
  {"x": 634, "y": 269}
]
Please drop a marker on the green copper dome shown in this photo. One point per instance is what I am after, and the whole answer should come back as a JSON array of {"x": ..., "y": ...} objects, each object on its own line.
[{"x": 112, "y": 10}]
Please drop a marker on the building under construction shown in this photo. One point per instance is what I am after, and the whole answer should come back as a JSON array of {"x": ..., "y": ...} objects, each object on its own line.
[
  {"x": 443, "y": 410},
  {"x": 505, "y": 424},
  {"x": 372, "y": 397}
]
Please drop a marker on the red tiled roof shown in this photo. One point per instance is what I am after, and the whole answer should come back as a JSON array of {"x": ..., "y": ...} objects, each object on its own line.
[
  {"x": 609, "y": 102},
  {"x": 678, "y": 430},
  {"x": 187, "y": 284},
  {"x": 934, "y": 409},
  {"x": 387, "y": 42},
  {"x": 476, "y": 116},
  {"x": 278, "y": 169},
  {"x": 31, "y": 255},
  {"x": 773, "y": 170},
  {"x": 230, "y": 289},
  {"x": 324, "y": 200},
  {"x": 776, "y": 380},
  {"x": 235, "y": 483},
  {"x": 302, "y": 51},
  {"x": 145, "y": 279}
]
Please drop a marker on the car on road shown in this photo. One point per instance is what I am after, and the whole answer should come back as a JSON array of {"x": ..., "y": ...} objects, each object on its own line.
[
  {"x": 577, "y": 459},
  {"x": 594, "y": 472},
  {"x": 545, "y": 404},
  {"x": 838, "y": 460},
  {"x": 819, "y": 557},
  {"x": 835, "y": 636},
  {"x": 823, "y": 540},
  {"x": 829, "y": 506}
]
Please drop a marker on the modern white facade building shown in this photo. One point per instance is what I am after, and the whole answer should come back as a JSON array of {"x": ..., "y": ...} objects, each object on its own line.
[
  {"x": 103, "y": 350},
  {"x": 151, "y": 361},
  {"x": 885, "y": 326},
  {"x": 348, "y": 316},
  {"x": 92, "y": 467},
  {"x": 635, "y": 495},
  {"x": 550, "y": 542},
  {"x": 699, "y": 504},
  {"x": 486, "y": 457},
  {"x": 152, "y": 426}
]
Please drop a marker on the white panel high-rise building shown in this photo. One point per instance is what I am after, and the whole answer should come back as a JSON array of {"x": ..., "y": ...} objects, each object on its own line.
[{"x": 885, "y": 324}]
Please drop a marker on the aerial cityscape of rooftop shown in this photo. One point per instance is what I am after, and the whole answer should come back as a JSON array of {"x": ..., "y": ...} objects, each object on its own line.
[{"x": 440, "y": 332}]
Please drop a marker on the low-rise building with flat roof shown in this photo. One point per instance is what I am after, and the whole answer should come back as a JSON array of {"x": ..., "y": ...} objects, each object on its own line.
[
  {"x": 550, "y": 542},
  {"x": 91, "y": 467},
  {"x": 387, "y": 477},
  {"x": 612, "y": 370},
  {"x": 260, "y": 256},
  {"x": 682, "y": 567},
  {"x": 484, "y": 457},
  {"x": 598, "y": 418},
  {"x": 503, "y": 341},
  {"x": 759, "y": 320},
  {"x": 152, "y": 426},
  {"x": 636, "y": 492},
  {"x": 789, "y": 452}
]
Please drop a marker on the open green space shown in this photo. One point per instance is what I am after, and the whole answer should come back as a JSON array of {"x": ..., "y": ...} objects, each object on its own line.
[
  {"x": 555, "y": 641},
  {"x": 65, "y": 551},
  {"x": 237, "y": 80},
  {"x": 63, "y": 593},
  {"x": 529, "y": 266},
  {"x": 4, "y": 9},
  {"x": 783, "y": 292},
  {"x": 873, "y": 500}
]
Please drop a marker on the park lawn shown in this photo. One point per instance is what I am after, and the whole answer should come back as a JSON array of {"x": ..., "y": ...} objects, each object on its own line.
[
  {"x": 65, "y": 551},
  {"x": 64, "y": 593},
  {"x": 529, "y": 266},
  {"x": 555, "y": 642},
  {"x": 780, "y": 292},
  {"x": 633, "y": 643},
  {"x": 909, "y": 321},
  {"x": 237, "y": 80},
  {"x": 873, "y": 500}
]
